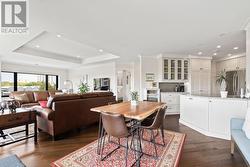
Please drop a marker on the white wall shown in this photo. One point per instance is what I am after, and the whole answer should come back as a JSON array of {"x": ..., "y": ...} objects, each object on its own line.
[
  {"x": 105, "y": 70},
  {"x": 147, "y": 65},
  {"x": 248, "y": 57},
  {"x": 62, "y": 73}
]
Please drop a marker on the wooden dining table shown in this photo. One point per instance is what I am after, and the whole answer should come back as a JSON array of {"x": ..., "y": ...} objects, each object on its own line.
[{"x": 135, "y": 112}]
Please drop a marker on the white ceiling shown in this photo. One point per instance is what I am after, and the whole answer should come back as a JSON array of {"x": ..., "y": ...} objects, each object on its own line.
[{"x": 125, "y": 29}]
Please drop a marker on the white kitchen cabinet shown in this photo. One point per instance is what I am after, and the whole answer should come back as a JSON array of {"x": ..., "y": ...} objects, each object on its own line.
[
  {"x": 237, "y": 63},
  {"x": 200, "y": 64},
  {"x": 194, "y": 111},
  {"x": 174, "y": 69},
  {"x": 211, "y": 115},
  {"x": 220, "y": 113},
  {"x": 172, "y": 99},
  {"x": 200, "y": 72}
]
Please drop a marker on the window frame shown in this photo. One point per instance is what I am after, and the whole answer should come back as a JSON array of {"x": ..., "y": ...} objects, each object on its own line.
[{"x": 46, "y": 79}]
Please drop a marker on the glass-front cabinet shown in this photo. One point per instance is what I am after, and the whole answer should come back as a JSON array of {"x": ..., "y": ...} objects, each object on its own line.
[
  {"x": 175, "y": 69},
  {"x": 165, "y": 69}
]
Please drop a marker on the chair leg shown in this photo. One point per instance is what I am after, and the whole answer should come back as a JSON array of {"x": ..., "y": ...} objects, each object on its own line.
[
  {"x": 153, "y": 141},
  {"x": 142, "y": 133},
  {"x": 102, "y": 145},
  {"x": 132, "y": 138},
  {"x": 126, "y": 154},
  {"x": 232, "y": 146},
  {"x": 139, "y": 138},
  {"x": 162, "y": 135}
]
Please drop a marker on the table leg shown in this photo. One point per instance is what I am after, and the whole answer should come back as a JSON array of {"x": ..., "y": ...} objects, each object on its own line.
[
  {"x": 2, "y": 134},
  {"x": 35, "y": 132},
  {"x": 27, "y": 129},
  {"x": 138, "y": 145},
  {"x": 99, "y": 135}
]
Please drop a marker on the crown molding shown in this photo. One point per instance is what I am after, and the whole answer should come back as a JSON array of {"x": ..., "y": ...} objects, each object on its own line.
[{"x": 246, "y": 24}]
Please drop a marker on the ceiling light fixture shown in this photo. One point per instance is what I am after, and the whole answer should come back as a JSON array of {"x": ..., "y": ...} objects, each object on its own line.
[
  {"x": 229, "y": 54},
  {"x": 218, "y": 46},
  {"x": 199, "y": 53},
  {"x": 215, "y": 54},
  {"x": 37, "y": 46},
  {"x": 100, "y": 50},
  {"x": 236, "y": 47},
  {"x": 58, "y": 35},
  {"x": 78, "y": 56}
]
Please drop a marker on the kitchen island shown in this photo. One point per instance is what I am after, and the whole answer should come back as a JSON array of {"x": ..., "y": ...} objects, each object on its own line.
[{"x": 211, "y": 115}]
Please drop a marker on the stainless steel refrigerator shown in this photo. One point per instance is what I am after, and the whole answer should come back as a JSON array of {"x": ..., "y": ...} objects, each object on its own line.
[{"x": 235, "y": 81}]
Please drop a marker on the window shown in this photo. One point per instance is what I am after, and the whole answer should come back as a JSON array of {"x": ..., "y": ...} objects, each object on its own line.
[
  {"x": 14, "y": 81},
  {"x": 52, "y": 82},
  {"x": 30, "y": 82},
  {"x": 7, "y": 83}
]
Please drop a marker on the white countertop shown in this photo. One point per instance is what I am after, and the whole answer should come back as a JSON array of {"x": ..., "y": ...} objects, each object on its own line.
[{"x": 216, "y": 97}]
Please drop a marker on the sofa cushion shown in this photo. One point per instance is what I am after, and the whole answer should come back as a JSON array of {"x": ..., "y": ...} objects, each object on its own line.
[
  {"x": 63, "y": 97},
  {"x": 246, "y": 125},
  {"x": 28, "y": 105},
  {"x": 29, "y": 94},
  {"x": 23, "y": 98},
  {"x": 242, "y": 142},
  {"x": 41, "y": 96},
  {"x": 43, "y": 104},
  {"x": 102, "y": 94},
  {"x": 88, "y": 95},
  {"x": 53, "y": 92},
  {"x": 45, "y": 113}
]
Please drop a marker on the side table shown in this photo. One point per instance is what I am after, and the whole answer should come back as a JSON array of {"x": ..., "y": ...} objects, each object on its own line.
[{"x": 21, "y": 117}]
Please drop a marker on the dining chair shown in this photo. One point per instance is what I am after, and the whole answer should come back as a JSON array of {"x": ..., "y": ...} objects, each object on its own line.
[
  {"x": 114, "y": 125},
  {"x": 156, "y": 125}
]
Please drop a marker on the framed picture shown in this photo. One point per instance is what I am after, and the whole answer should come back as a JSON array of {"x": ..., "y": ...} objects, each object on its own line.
[{"x": 150, "y": 77}]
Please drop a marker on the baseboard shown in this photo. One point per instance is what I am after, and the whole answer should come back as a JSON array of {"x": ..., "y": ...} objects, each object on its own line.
[{"x": 205, "y": 132}]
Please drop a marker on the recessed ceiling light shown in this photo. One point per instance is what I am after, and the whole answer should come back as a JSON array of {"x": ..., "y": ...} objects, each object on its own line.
[
  {"x": 215, "y": 54},
  {"x": 218, "y": 46},
  {"x": 229, "y": 54},
  {"x": 58, "y": 35},
  {"x": 236, "y": 47},
  {"x": 199, "y": 53},
  {"x": 100, "y": 50},
  {"x": 37, "y": 46},
  {"x": 78, "y": 56}
]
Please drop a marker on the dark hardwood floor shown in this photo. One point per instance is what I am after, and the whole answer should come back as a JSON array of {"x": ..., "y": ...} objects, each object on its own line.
[{"x": 199, "y": 150}]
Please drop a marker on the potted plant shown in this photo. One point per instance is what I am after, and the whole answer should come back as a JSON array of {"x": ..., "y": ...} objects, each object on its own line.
[
  {"x": 134, "y": 97},
  {"x": 83, "y": 88},
  {"x": 221, "y": 79}
]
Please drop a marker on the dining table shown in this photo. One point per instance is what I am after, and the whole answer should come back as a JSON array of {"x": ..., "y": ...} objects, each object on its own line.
[{"x": 137, "y": 113}]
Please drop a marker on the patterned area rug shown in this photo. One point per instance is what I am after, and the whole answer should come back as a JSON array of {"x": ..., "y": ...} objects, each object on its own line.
[{"x": 168, "y": 155}]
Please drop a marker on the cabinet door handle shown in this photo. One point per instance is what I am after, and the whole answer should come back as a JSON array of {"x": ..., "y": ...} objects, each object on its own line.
[{"x": 190, "y": 98}]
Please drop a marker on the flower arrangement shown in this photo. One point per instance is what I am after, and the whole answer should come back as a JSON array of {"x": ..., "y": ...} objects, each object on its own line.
[
  {"x": 134, "y": 97},
  {"x": 221, "y": 79},
  {"x": 83, "y": 88}
]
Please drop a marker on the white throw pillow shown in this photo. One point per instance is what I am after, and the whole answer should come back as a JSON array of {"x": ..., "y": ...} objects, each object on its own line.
[{"x": 246, "y": 125}]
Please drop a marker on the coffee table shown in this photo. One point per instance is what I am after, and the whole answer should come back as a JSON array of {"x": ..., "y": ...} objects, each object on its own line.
[{"x": 20, "y": 117}]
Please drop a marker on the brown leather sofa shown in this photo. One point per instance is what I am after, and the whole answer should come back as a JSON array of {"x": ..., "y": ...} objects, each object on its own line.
[
  {"x": 64, "y": 112},
  {"x": 31, "y": 98},
  {"x": 68, "y": 112}
]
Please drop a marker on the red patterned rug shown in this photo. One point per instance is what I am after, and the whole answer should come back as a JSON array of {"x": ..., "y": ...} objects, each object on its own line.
[{"x": 168, "y": 155}]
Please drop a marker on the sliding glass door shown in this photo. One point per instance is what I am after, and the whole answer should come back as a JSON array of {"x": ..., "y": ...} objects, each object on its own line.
[
  {"x": 15, "y": 81},
  {"x": 30, "y": 82},
  {"x": 7, "y": 83}
]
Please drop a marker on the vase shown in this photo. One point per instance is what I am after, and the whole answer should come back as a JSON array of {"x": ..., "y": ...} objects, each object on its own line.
[
  {"x": 223, "y": 94},
  {"x": 134, "y": 102}
]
